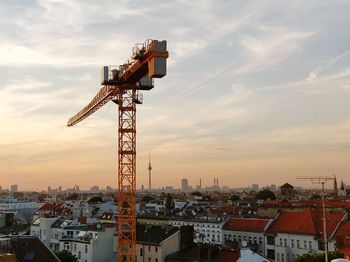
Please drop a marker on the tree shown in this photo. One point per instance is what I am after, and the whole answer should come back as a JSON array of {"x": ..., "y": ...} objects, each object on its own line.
[
  {"x": 147, "y": 198},
  {"x": 73, "y": 196},
  {"x": 95, "y": 199},
  {"x": 207, "y": 198},
  {"x": 169, "y": 202},
  {"x": 315, "y": 197},
  {"x": 66, "y": 256},
  {"x": 196, "y": 193},
  {"x": 234, "y": 198},
  {"x": 162, "y": 195},
  {"x": 265, "y": 194}
]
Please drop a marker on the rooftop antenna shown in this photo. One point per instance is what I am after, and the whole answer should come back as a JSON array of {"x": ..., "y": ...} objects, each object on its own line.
[{"x": 321, "y": 180}]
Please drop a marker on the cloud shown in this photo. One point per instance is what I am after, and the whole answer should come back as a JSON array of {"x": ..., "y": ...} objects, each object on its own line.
[
  {"x": 321, "y": 68},
  {"x": 253, "y": 78}
]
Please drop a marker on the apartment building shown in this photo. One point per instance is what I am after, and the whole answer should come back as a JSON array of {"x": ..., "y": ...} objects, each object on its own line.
[
  {"x": 295, "y": 233},
  {"x": 250, "y": 230}
]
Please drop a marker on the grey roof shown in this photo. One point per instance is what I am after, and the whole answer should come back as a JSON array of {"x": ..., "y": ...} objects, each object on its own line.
[
  {"x": 154, "y": 234},
  {"x": 30, "y": 248}
]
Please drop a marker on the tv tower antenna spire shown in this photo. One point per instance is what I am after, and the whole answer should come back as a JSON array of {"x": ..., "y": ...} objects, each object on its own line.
[{"x": 149, "y": 171}]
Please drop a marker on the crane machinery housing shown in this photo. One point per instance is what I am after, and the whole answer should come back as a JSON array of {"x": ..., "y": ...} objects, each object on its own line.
[{"x": 122, "y": 85}]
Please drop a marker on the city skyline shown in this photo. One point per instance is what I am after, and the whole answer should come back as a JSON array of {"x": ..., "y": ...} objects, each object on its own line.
[{"x": 255, "y": 92}]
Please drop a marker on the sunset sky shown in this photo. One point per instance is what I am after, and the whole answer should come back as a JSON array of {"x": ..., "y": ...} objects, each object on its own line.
[{"x": 256, "y": 91}]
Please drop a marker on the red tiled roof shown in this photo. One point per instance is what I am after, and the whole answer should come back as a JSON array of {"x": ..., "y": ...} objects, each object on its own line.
[
  {"x": 345, "y": 251},
  {"x": 246, "y": 224},
  {"x": 272, "y": 202},
  {"x": 227, "y": 255},
  {"x": 328, "y": 204},
  {"x": 343, "y": 230},
  {"x": 308, "y": 222},
  {"x": 49, "y": 207}
]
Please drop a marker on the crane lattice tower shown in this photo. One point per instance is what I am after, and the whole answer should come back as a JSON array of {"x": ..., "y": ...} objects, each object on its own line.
[{"x": 122, "y": 85}]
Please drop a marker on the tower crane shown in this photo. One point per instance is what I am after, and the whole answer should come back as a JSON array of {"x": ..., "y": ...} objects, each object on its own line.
[{"x": 122, "y": 85}]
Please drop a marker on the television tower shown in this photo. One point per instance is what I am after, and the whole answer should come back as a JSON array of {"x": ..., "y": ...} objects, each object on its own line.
[{"x": 149, "y": 172}]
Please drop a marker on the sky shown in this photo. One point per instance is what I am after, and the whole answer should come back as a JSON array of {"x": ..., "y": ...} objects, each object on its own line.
[{"x": 255, "y": 92}]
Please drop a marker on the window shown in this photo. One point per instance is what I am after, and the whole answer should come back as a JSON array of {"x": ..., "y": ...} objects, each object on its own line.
[
  {"x": 271, "y": 240},
  {"x": 282, "y": 257},
  {"x": 75, "y": 246},
  {"x": 310, "y": 245},
  {"x": 270, "y": 253},
  {"x": 298, "y": 243},
  {"x": 156, "y": 259},
  {"x": 285, "y": 242},
  {"x": 79, "y": 256},
  {"x": 141, "y": 251},
  {"x": 281, "y": 242},
  {"x": 149, "y": 249},
  {"x": 292, "y": 243},
  {"x": 278, "y": 256},
  {"x": 149, "y": 259},
  {"x": 305, "y": 244},
  {"x": 156, "y": 248},
  {"x": 86, "y": 249}
]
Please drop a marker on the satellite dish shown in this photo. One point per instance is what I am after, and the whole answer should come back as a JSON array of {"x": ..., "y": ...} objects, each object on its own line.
[
  {"x": 244, "y": 243},
  {"x": 98, "y": 226}
]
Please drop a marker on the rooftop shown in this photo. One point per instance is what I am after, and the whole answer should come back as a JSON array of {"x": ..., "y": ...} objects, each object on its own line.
[{"x": 246, "y": 224}]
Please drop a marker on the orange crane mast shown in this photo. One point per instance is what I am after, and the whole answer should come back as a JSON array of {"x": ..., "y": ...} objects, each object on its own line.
[{"x": 122, "y": 85}]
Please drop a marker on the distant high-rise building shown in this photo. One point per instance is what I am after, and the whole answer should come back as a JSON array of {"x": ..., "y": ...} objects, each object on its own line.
[
  {"x": 49, "y": 189},
  {"x": 94, "y": 189},
  {"x": 255, "y": 187},
  {"x": 199, "y": 187},
  {"x": 184, "y": 186},
  {"x": 14, "y": 188},
  {"x": 149, "y": 172},
  {"x": 273, "y": 188},
  {"x": 60, "y": 189}
]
